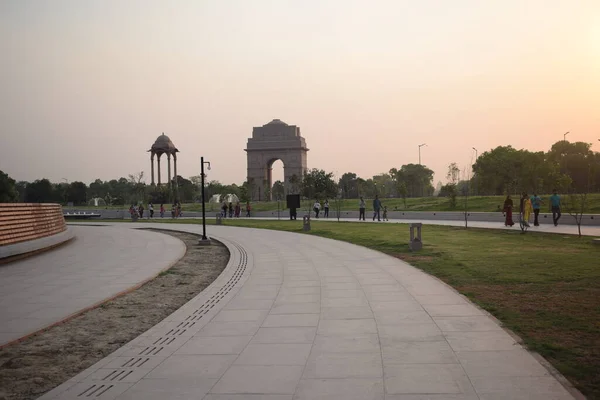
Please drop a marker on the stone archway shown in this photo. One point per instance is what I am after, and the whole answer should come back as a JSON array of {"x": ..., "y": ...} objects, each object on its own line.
[{"x": 269, "y": 143}]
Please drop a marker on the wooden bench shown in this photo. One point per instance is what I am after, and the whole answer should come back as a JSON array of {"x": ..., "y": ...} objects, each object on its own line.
[{"x": 20, "y": 222}]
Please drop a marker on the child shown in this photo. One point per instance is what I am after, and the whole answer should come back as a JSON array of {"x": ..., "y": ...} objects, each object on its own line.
[{"x": 385, "y": 218}]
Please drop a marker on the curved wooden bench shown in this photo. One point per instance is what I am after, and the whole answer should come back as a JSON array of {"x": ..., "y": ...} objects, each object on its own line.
[{"x": 21, "y": 222}]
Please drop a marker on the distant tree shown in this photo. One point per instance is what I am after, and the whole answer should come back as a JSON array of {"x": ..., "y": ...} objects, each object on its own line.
[
  {"x": 295, "y": 183},
  {"x": 403, "y": 192},
  {"x": 349, "y": 185},
  {"x": 21, "y": 186},
  {"x": 8, "y": 189},
  {"x": 278, "y": 190},
  {"x": 318, "y": 184},
  {"x": 77, "y": 193},
  {"x": 417, "y": 179},
  {"x": 42, "y": 191},
  {"x": 187, "y": 190},
  {"x": 138, "y": 186}
]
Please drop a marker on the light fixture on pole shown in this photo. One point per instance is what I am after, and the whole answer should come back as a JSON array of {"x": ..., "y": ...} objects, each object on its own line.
[
  {"x": 421, "y": 145},
  {"x": 565, "y": 136},
  {"x": 476, "y": 153},
  {"x": 204, "y": 240}
]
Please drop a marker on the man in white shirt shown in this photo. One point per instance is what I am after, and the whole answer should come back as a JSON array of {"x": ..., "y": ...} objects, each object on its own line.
[
  {"x": 361, "y": 209},
  {"x": 317, "y": 208}
]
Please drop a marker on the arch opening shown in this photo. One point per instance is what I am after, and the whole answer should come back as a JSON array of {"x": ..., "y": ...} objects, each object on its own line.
[{"x": 275, "y": 180}]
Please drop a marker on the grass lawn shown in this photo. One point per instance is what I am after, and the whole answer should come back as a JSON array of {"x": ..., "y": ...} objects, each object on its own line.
[
  {"x": 475, "y": 204},
  {"x": 544, "y": 287}
]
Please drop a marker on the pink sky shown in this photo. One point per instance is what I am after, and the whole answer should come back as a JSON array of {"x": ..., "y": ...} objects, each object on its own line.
[{"x": 88, "y": 86}]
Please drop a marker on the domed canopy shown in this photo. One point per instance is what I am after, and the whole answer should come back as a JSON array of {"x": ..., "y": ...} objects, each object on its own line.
[
  {"x": 277, "y": 122},
  {"x": 163, "y": 145}
]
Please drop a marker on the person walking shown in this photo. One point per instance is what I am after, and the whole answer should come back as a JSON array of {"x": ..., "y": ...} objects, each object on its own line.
[
  {"x": 238, "y": 209},
  {"x": 162, "y": 210},
  {"x": 555, "y": 204},
  {"x": 508, "y": 206},
  {"x": 376, "y": 208},
  {"x": 230, "y": 209},
  {"x": 151, "y": 209},
  {"x": 141, "y": 211},
  {"x": 525, "y": 209},
  {"x": 326, "y": 208},
  {"x": 317, "y": 208},
  {"x": 248, "y": 209},
  {"x": 385, "y": 217},
  {"x": 361, "y": 209},
  {"x": 224, "y": 209},
  {"x": 536, "y": 203}
]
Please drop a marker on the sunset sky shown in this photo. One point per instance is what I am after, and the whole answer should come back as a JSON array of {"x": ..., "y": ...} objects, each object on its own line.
[{"x": 86, "y": 86}]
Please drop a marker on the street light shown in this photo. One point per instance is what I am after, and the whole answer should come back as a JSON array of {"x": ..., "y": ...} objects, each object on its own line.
[
  {"x": 421, "y": 145},
  {"x": 476, "y": 156},
  {"x": 565, "y": 137},
  {"x": 204, "y": 239}
]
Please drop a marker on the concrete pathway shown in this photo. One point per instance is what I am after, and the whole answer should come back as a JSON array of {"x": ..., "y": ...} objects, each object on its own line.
[
  {"x": 301, "y": 317},
  {"x": 99, "y": 263}
]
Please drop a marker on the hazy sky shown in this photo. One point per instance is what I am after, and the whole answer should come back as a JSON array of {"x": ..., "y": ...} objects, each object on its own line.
[{"x": 87, "y": 86}]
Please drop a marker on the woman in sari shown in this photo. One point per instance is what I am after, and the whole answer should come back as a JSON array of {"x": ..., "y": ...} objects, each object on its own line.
[{"x": 508, "y": 205}]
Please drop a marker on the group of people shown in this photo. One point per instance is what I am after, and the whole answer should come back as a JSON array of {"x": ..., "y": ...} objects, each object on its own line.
[
  {"x": 317, "y": 208},
  {"x": 137, "y": 211},
  {"x": 378, "y": 208},
  {"x": 527, "y": 205},
  {"x": 234, "y": 211}
]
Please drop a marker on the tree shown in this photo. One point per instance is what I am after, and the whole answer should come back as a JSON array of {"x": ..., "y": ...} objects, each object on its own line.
[
  {"x": 278, "y": 190},
  {"x": 349, "y": 185},
  {"x": 295, "y": 184},
  {"x": 138, "y": 186},
  {"x": 318, "y": 184},
  {"x": 8, "y": 189},
  {"x": 417, "y": 179},
  {"x": 77, "y": 193},
  {"x": 403, "y": 191},
  {"x": 187, "y": 189},
  {"x": 42, "y": 191}
]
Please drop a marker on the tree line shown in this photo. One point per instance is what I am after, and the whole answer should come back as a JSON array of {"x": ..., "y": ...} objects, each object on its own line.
[{"x": 568, "y": 167}]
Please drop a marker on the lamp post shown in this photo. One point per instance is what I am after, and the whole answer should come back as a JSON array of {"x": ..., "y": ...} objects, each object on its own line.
[
  {"x": 421, "y": 145},
  {"x": 204, "y": 239},
  {"x": 476, "y": 156},
  {"x": 565, "y": 136}
]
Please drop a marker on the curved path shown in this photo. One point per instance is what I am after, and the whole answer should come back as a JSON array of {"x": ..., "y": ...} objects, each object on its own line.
[
  {"x": 99, "y": 263},
  {"x": 302, "y": 317}
]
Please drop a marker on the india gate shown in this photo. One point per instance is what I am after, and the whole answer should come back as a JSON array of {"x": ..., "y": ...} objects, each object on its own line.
[{"x": 269, "y": 143}]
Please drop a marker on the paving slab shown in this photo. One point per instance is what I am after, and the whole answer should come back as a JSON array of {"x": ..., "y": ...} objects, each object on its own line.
[
  {"x": 313, "y": 318},
  {"x": 99, "y": 263}
]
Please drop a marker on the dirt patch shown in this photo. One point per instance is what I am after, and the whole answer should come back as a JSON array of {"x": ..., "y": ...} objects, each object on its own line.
[
  {"x": 412, "y": 258},
  {"x": 40, "y": 363}
]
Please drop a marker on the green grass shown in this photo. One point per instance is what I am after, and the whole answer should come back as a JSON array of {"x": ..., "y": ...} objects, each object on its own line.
[{"x": 475, "y": 204}]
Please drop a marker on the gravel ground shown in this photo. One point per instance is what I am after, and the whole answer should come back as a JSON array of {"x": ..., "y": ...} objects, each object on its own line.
[{"x": 40, "y": 363}]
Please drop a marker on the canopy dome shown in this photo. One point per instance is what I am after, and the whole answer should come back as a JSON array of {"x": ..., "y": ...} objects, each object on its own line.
[{"x": 163, "y": 144}]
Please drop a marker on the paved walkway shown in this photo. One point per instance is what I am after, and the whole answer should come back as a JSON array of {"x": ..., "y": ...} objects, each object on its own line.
[
  {"x": 99, "y": 263},
  {"x": 302, "y": 317}
]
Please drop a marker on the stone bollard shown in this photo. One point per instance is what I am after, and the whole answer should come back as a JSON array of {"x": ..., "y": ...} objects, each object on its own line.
[
  {"x": 306, "y": 223},
  {"x": 219, "y": 219},
  {"x": 416, "y": 242}
]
